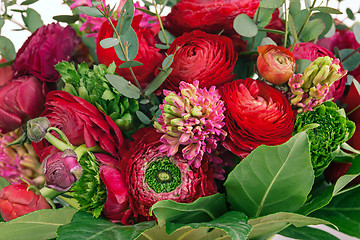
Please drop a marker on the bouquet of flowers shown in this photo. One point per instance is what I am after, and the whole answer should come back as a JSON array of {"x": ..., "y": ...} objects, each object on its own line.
[{"x": 217, "y": 120}]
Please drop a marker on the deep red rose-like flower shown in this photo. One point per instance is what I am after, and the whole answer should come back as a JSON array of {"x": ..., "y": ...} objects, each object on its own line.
[
  {"x": 210, "y": 16},
  {"x": 81, "y": 122},
  {"x": 311, "y": 51},
  {"x": 203, "y": 57},
  {"x": 20, "y": 100},
  {"x": 256, "y": 114},
  {"x": 148, "y": 54},
  {"x": 152, "y": 176},
  {"x": 16, "y": 200},
  {"x": 275, "y": 64},
  {"x": 47, "y": 46}
]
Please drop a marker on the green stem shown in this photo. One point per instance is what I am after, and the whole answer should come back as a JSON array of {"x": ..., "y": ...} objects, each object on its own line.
[
  {"x": 248, "y": 53},
  {"x": 307, "y": 19},
  {"x": 256, "y": 19},
  {"x": 61, "y": 134},
  {"x": 286, "y": 24},
  {"x": 57, "y": 142},
  {"x": 160, "y": 22},
  {"x": 49, "y": 193},
  {"x": 163, "y": 6},
  {"x": 272, "y": 31},
  {"x": 82, "y": 149},
  {"x": 353, "y": 110}
]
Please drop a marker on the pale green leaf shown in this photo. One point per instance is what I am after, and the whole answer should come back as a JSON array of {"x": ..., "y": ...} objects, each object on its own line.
[
  {"x": 7, "y": 49},
  {"x": 352, "y": 62},
  {"x": 91, "y": 11},
  {"x": 129, "y": 10},
  {"x": 306, "y": 233},
  {"x": 356, "y": 30},
  {"x": 130, "y": 64},
  {"x": 312, "y": 30},
  {"x": 271, "y": 3},
  {"x": 130, "y": 39},
  {"x": 123, "y": 86},
  {"x": 327, "y": 10},
  {"x": 170, "y": 38},
  {"x": 245, "y": 26},
  {"x": 143, "y": 118},
  {"x": 301, "y": 64},
  {"x": 32, "y": 20},
  {"x": 267, "y": 41},
  {"x": 159, "y": 79},
  {"x": 109, "y": 42}
]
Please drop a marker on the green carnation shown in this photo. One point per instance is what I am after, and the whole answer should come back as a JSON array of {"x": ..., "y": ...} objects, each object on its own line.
[{"x": 332, "y": 131}]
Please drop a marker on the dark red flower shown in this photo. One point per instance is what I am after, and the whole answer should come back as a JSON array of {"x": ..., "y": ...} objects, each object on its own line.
[
  {"x": 20, "y": 100},
  {"x": 337, "y": 169},
  {"x": 203, "y": 57},
  {"x": 148, "y": 55},
  {"x": 311, "y": 51},
  {"x": 6, "y": 73},
  {"x": 256, "y": 114},
  {"x": 47, "y": 46},
  {"x": 16, "y": 200},
  {"x": 152, "y": 176},
  {"x": 81, "y": 122}
]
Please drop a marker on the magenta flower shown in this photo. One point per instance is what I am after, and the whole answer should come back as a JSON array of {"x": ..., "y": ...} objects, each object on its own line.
[{"x": 192, "y": 119}]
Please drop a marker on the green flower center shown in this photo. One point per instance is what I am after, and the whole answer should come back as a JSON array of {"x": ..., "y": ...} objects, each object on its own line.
[{"x": 163, "y": 176}]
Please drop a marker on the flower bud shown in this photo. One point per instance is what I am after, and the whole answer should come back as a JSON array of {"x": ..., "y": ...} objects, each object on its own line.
[
  {"x": 61, "y": 170},
  {"x": 37, "y": 128}
]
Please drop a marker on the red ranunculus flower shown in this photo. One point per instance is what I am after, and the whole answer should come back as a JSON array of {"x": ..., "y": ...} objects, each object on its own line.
[
  {"x": 47, "y": 46},
  {"x": 152, "y": 176},
  {"x": 203, "y": 57},
  {"x": 256, "y": 114},
  {"x": 311, "y": 51},
  {"x": 148, "y": 54},
  {"x": 81, "y": 122},
  {"x": 16, "y": 200},
  {"x": 20, "y": 100},
  {"x": 210, "y": 16}
]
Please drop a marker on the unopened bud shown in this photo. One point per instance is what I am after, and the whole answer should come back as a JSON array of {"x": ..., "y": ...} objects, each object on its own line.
[{"x": 37, "y": 128}]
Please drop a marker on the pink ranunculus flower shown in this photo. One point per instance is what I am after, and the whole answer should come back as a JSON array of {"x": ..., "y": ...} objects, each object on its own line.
[{"x": 47, "y": 46}]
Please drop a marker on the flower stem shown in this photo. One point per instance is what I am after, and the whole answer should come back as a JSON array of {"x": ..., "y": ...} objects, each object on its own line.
[
  {"x": 286, "y": 24},
  {"x": 160, "y": 22},
  {"x": 57, "y": 142},
  {"x": 82, "y": 149},
  {"x": 352, "y": 53},
  {"x": 49, "y": 193},
  {"x": 353, "y": 110}
]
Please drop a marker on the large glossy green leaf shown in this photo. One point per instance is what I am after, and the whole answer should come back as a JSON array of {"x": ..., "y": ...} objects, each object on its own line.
[
  {"x": 271, "y": 224},
  {"x": 344, "y": 212},
  {"x": 41, "y": 224},
  {"x": 306, "y": 233},
  {"x": 203, "y": 209},
  {"x": 272, "y": 178},
  {"x": 84, "y": 226}
]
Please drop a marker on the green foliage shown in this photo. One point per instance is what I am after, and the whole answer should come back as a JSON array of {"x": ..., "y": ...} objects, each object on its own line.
[
  {"x": 306, "y": 233},
  {"x": 7, "y": 49},
  {"x": 258, "y": 184},
  {"x": 91, "y": 85},
  {"x": 356, "y": 31},
  {"x": 271, "y": 3},
  {"x": 32, "y": 19},
  {"x": 3, "y": 183},
  {"x": 312, "y": 30},
  {"x": 245, "y": 26},
  {"x": 69, "y": 19},
  {"x": 334, "y": 129},
  {"x": 351, "y": 62},
  {"x": 158, "y": 80},
  {"x": 130, "y": 42},
  {"x": 301, "y": 64},
  {"x": 127, "y": 14}
]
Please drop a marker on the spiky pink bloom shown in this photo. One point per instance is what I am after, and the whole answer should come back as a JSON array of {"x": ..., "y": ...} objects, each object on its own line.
[{"x": 191, "y": 120}]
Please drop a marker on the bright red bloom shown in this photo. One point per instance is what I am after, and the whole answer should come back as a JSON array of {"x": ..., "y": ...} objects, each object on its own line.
[
  {"x": 16, "y": 200},
  {"x": 148, "y": 55},
  {"x": 20, "y": 100},
  {"x": 207, "y": 58},
  {"x": 47, "y": 46},
  {"x": 81, "y": 122},
  {"x": 256, "y": 114}
]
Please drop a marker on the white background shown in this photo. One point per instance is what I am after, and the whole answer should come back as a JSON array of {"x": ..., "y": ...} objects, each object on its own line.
[{"x": 49, "y": 8}]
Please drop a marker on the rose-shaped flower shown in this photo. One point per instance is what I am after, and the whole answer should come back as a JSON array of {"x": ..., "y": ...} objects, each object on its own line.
[
  {"x": 203, "y": 57},
  {"x": 16, "y": 200},
  {"x": 81, "y": 122},
  {"x": 20, "y": 100},
  {"x": 152, "y": 176},
  {"x": 207, "y": 15},
  {"x": 148, "y": 54},
  {"x": 275, "y": 64},
  {"x": 256, "y": 114},
  {"x": 47, "y": 46},
  {"x": 311, "y": 52}
]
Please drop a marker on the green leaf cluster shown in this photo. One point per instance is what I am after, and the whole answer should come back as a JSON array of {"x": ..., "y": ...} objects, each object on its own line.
[
  {"x": 91, "y": 85},
  {"x": 333, "y": 130}
]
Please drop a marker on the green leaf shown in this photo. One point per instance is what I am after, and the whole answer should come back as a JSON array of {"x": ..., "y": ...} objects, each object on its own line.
[
  {"x": 69, "y": 19},
  {"x": 306, "y": 233},
  {"x": 327, "y": 10},
  {"x": 350, "y": 175},
  {"x": 7, "y": 49},
  {"x": 90, "y": 11},
  {"x": 143, "y": 118},
  {"x": 264, "y": 17},
  {"x": 3, "y": 183},
  {"x": 271, "y": 224},
  {"x": 2, "y": 22},
  {"x": 267, "y": 41},
  {"x": 344, "y": 212},
  {"x": 124, "y": 87},
  {"x": 352, "y": 62},
  {"x": 356, "y": 30},
  {"x": 28, "y": 2},
  {"x": 83, "y": 227},
  {"x": 312, "y": 30},
  {"x": 158, "y": 80},
  {"x": 109, "y": 42},
  {"x": 32, "y": 20},
  {"x": 167, "y": 61},
  {"x": 295, "y": 7},
  {"x": 272, "y": 178},
  {"x": 168, "y": 35},
  {"x": 41, "y": 224},
  {"x": 271, "y": 3},
  {"x": 161, "y": 46},
  {"x": 350, "y": 14},
  {"x": 131, "y": 40},
  {"x": 300, "y": 18},
  {"x": 129, "y": 10},
  {"x": 301, "y": 64},
  {"x": 148, "y": 12},
  {"x": 130, "y": 64},
  {"x": 245, "y": 26},
  {"x": 308, "y": 4},
  {"x": 144, "y": 101},
  {"x": 327, "y": 19},
  {"x": 4, "y": 64},
  {"x": 202, "y": 210},
  {"x": 292, "y": 28}
]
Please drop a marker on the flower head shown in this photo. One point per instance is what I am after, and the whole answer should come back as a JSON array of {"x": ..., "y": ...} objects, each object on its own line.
[{"x": 192, "y": 119}]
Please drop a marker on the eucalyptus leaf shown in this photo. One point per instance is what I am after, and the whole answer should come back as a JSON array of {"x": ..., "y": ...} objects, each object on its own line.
[
  {"x": 170, "y": 38},
  {"x": 127, "y": 13},
  {"x": 312, "y": 30},
  {"x": 161, "y": 46},
  {"x": 7, "y": 49},
  {"x": 32, "y": 20},
  {"x": 130, "y": 39},
  {"x": 2, "y": 22},
  {"x": 28, "y": 2},
  {"x": 350, "y": 14},
  {"x": 90, "y": 11},
  {"x": 307, "y": 4},
  {"x": 300, "y": 18},
  {"x": 158, "y": 80},
  {"x": 245, "y": 26},
  {"x": 327, "y": 10},
  {"x": 352, "y": 62},
  {"x": 143, "y": 118},
  {"x": 292, "y": 29},
  {"x": 83, "y": 227},
  {"x": 301, "y": 64},
  {"x": 356, "y": 31},
  {"x": 264, "y": 17},
  {"x": 268, "y": 41},
  {"x": 109, "y": 42},
  {"x": 130, "y": 64},
  {"x": 3, "y": 183},
  {"x": 167, "y": 61},
  {"x": 40, "y": 224},
  {"x": 295, "y": 7},
  {"x": 123, "y": 86},
  {"x": 148, "y": 12},
  {"x": 272, "y": 178},
  {"x": 144, "y": 101},
  {"x": 69, "y": 19},
  {"x": 271, "y": 224},
  {"x": 327, "y": 19},
  {"x": 271, "y": 3},
  {"x": 306, "y": 233}
]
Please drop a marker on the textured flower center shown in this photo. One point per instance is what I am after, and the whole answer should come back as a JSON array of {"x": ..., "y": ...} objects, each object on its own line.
[{"x": 163, "y": 176}]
